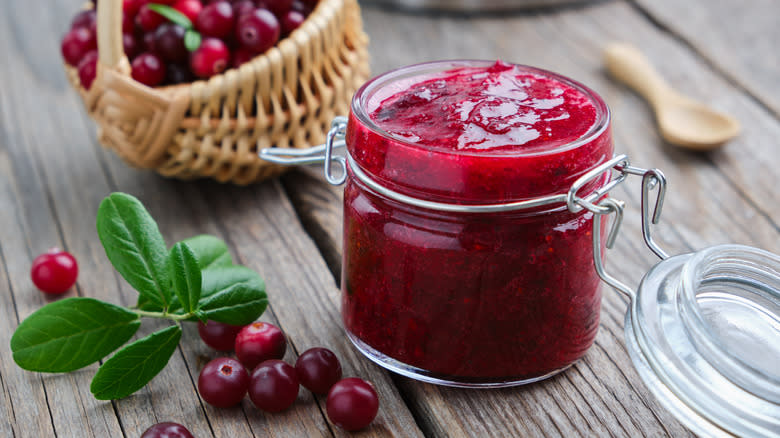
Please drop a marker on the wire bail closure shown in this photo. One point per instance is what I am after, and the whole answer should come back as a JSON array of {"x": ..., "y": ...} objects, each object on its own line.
[{"x": 598, "y": 202}]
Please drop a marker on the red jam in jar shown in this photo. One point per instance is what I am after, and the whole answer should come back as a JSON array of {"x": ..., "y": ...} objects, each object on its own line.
[{"x": 471, "y": 298}]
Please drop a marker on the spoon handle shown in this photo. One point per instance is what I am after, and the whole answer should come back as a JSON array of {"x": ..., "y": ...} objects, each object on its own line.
[{"x": 627, "y": 64}]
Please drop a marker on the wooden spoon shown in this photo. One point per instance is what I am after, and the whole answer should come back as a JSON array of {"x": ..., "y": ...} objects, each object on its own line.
[{"x": 681, "y": 120}]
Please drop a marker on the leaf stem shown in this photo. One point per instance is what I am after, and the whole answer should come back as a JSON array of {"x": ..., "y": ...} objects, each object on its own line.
[{"x": 164, "y": 315}]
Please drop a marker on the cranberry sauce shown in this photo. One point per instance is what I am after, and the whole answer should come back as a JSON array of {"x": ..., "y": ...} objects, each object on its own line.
[{"x": 472, "y": 297}]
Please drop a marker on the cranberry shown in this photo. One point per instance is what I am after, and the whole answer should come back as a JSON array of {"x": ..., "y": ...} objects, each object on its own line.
[
  {"x": 169, "y": 43},
  {"x": 149, "y": 40},
  {"x": 131, "y": 7},
  {"x": 258, "y": 31},
  {"x": 352, "y": 404},
  {"x": 190, "y": 8},
  {"x": 148, "y": 69},
  {"x": 291, "y": 21},
  {"x": 243, "y": 7},
  {"x": 130, "y": 45},
  {"x": 179, "y": 74},
  {"x": 167, "y": 430},
  {"x": 128, "y": 23},
  {"x": 219, "y": 336},
  {"x": 318, "y": 369},
  {"x": 223, "y": 382},
  {"x": 211, "y": 58},
  {"x": 216, "y": 20},
  {"x": 88, "y": 69},
  {"x": 242, "y": 56},
  {"x": 77, "y": 43},
  {"x": 85, "y": 18},
  {"x": 274, "y": 386},
  {"x": 298, "y": 5},
  {"x": 55, "y": 271},
  {"x": 258, "y": 342},
  {"x": 279, "y": 7},
  {"x": 148, "y": 20}
]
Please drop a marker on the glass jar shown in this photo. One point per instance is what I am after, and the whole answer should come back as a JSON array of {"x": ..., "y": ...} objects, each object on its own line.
[
  {"x": 704, "y": 333},
  {"x": 468, "y": 298}
]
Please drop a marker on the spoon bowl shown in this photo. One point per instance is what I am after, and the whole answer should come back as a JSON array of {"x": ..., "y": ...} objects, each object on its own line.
[{"x": 682, "y": 121}]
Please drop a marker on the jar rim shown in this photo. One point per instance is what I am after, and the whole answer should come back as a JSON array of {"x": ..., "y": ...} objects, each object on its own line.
[
  {"x": 360, "y": 101},
  {"x": 691, "y": 315},
  {"x": 714, "y": 268}
]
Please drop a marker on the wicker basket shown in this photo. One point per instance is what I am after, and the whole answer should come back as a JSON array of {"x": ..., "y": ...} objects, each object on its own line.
[{"x": 286, "y": 97}]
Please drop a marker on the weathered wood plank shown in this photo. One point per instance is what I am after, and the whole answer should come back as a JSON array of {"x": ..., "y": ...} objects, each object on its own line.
[
  {"x": 43, "y": 404},
  {"x": 24, "y": 397},
  {"x": 601, "y": 394},
  {"x": 738, "y": 38}
]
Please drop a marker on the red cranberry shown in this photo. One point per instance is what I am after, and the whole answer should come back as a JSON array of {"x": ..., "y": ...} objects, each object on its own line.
[
  {"x": 219, "y": 336},
  {"x": 310, "y": 3},
  {"x": 169, "y": 43},
  {"x": 88, "y": 69},
  {"x": 278, "y": 7},
  {"x": 258, "y": 31},
  {"x": 243, "y": 7},
  {"x": 128, "y": 23},
  {"x": 274, "y": 386},
  {"x": 85, "y": 18},
  {"x": 242, "y": 56},
  {"x": 130, "y": 44},
  {"x": 131, "y": 7},
  {"x": 190, "y": 8},
  {"x": 352, "y": 404},
  {"x": 149, "y": 40},
  {"x": 167, "y": 430},
  {"x": 223, "y": 382},
  {"x": 148, "y": 20},
  {"x": 318, "y": 370},
  {"x": 258, "y": 342},
  {"x": 291, "y": 21},
  {"x": 77, "y": 43},
  {"x": 211, "y": 58},
  {"x": 148, "y": 69},
  {"x": 55, "y": 271},
  {"x": 298, "y": 5},
  {"x": 216, "y": 20}
]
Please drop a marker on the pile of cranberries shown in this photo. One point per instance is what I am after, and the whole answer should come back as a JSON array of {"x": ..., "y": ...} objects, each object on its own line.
[
  {"x": 273, "y": 384},
  {"x": 230, "y": 33}
]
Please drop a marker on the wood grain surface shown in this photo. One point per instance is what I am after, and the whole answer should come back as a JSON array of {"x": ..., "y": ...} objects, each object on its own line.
[{"x": 53, "y": 175}]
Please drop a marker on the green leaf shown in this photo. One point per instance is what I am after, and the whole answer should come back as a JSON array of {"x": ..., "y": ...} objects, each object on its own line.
[
  {"x": 135, "y": 365},
  {"x": 171, "y": 14},
  {"x": 192, "y": 40},
  {"x": 70, "y": 334},
  {"x": 220, "y": 278},
  {"x": 240, "y": 304},
  {"x": 211, "y": 251},
  {"x": 143, "y": 303},
  {"x": 134, "y": 246},
  {"x": 186, "y": 276}
]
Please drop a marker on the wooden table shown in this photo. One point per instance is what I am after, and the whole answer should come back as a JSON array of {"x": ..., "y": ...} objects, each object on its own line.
[{"x": 53, "y": 175}]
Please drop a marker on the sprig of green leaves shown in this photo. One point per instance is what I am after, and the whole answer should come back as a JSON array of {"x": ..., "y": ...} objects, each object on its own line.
[{"x": 194, "y": 280}]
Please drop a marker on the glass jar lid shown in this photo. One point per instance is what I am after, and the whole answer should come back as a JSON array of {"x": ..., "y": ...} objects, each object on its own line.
[{"x": 704, "y": 333}]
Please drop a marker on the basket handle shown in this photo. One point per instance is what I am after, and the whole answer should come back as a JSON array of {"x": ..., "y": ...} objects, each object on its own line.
[
  {"x": 109, "y": 33},
  {"x": 150, "y": 117}
]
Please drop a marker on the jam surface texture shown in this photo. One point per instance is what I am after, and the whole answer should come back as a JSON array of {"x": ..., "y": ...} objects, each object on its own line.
[
  {"x": 472, "y": 297},
  {"x": 501, "y": 109}
]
